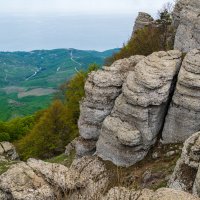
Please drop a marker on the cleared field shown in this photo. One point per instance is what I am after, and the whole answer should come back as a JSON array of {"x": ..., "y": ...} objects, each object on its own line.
[{"x": 37, "y": 92}]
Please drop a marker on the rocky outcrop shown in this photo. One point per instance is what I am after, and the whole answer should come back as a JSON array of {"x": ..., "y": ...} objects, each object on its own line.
[
  {"x": 186, "y": 173},
  {"x": 71, "y": 146},
  {"x": 196, "y": 186},
  {"x": 8, "y": 151},
  {"x": 187, "y": 22},
  {"x": 85, "y": 179},
  {"x": 138, "y": 115},
  {"x": 101, "y": 88},
  {"x": 183, "y": 117},
  {"x": 143, "y": 20},
  {"x": 160, "y": 194}
]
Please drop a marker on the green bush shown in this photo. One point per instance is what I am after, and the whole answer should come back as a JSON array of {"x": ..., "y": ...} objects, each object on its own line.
[
  {"x": 4, "y": 137},
  {"x": 18, "y": 127}
]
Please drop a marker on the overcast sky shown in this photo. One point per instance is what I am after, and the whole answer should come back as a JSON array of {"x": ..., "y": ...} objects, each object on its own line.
[
  {"x": 81, "y": 6},
  {"x": 82, "y": 24}
]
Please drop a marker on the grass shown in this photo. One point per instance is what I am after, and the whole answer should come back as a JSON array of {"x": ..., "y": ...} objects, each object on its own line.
[
  {"x": 63, "y": 159},
  {"x": 23, "y": 107},
  {"x": 4, "y": 166}
]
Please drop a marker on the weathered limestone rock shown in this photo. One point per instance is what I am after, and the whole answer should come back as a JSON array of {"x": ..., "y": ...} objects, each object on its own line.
[
  {"x": 97, "y": 178},
  {"x": 160, "y": 194},
  {"x": 187, "y": 21},
  {"x": 71, "y": 146},
  {"x": 143, "y": 19},
  {"x": 196, "y": 186},
  {"x": 186, "y": 168},
  {"x": 102, "y": 88},
  {"x": 8, "y": 151},
  {"x": 183, "y": 117},
  {"x": 21, "y": 182},
  {"x": 138, "y": 115},
  {"x": 85, "y": 147},
  {"x": 85, "y": 179}
]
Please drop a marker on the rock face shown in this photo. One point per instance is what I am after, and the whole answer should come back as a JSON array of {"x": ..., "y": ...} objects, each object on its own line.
[
  {"x": 7, "y": 151},
  {"x": 160, "y": 194},
  {"x": 183, "y": 117},
  {"x": 143, "y": 19},
  {"x": 85, "y": 179},
  {"x": 138, "y": 114},
  {"x": 101, "y": 88},
  {"x": 187, "y": 21},
  {"x": 185, "y": 176}
]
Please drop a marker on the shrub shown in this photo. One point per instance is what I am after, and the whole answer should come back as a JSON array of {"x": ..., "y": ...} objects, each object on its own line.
[
  {"x": 17, "y": 127},
  {"x": 4, "y": 137},
  {"x": 157, "y": 37}
]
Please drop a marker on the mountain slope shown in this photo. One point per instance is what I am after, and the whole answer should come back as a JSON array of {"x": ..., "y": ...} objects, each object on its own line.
[{"x": 28, "y": 79}]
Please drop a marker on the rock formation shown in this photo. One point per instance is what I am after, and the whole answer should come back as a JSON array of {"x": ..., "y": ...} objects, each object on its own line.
[
  {"x": 143, "y": 19},
  {"x": 101, "y": 88},
  {"x": 7, "y": 151},
  {"x": 186, "y": 175},
  {"x": 85, "y": 179},
  {"x": 138, "y": 115},
  {"x": 145, "y": 194},
  {"x": 183, "y": 117},
  {"x": 186, "y": 17}
]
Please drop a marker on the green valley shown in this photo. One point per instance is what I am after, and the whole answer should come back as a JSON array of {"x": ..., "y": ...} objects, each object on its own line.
[{"x": 28, "y": 80}]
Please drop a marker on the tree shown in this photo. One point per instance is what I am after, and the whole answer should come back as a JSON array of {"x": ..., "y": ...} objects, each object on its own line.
[
  {"x": 49, "y": 135},
  {"x": 56, "y": 126}
]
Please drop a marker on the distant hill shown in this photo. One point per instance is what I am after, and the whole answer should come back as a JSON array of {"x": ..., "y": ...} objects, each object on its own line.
[{"x": 29, "y": 79}]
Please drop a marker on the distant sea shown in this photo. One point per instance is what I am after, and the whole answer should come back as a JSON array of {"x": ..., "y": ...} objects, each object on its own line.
[{"x": 90, "y": 32}]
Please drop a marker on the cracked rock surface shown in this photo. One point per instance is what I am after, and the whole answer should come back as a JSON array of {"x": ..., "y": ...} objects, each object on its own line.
[
  {"x": 183, "y": 118},
  {"x": 8, "y": 151},
  {"x": 101, "y": 88},
  {"x": 138, "y": 114},
  {"x": 38, "y": 180},
  {"x": 187, "y": 21}
]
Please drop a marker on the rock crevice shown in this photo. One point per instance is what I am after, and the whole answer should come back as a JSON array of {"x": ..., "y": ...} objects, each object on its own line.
[{"x": 183, "y": 117}]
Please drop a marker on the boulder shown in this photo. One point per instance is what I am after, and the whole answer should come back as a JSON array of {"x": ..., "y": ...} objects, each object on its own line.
[
  {"x": 139, "y": 112},
  {"x": 187, "y": 21},
  {"x": 8, "y": 151},
  {"x": 102, "y": 88},
  {"x": 183, "y": 118},
  {"x": 20, "y": 182},
  {"x": 36, "y": 179}
]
